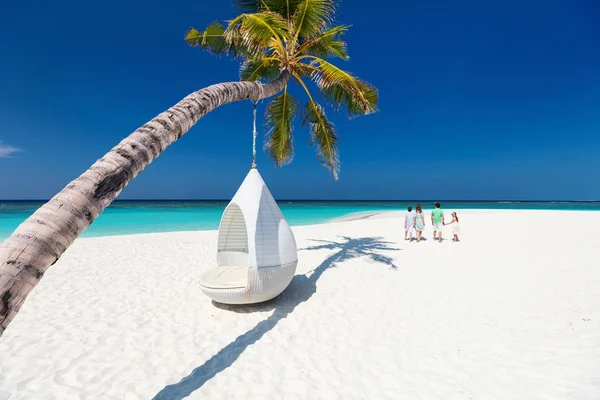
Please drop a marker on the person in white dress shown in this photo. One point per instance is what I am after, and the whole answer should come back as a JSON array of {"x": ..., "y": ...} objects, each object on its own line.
[
  {"x": 409, "y": 224},
  {"x": 455, "y": 227},
  {"x": 419, "y": 223}
]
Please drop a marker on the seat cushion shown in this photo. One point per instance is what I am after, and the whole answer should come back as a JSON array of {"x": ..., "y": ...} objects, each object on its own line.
[{"x": 227, "y": 277}]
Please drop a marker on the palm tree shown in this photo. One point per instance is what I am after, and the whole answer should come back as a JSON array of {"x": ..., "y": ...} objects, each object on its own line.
[{"x": 277, "y": 41}]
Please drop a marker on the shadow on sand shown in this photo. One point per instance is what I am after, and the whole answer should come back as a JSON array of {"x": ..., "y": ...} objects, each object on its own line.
[{"x": 300, "y": 290}]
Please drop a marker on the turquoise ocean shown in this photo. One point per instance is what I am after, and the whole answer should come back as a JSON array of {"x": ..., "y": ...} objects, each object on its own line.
[{"x": 128, "y": 217}]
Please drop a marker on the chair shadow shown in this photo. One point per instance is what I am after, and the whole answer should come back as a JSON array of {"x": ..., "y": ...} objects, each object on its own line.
[{"x": 299, "y": 291}]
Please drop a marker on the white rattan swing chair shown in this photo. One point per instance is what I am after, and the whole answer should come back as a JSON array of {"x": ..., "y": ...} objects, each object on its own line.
[{"x": 257, "y": 254}]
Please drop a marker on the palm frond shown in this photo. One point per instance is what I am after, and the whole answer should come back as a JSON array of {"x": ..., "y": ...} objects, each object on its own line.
[
  {"x": 323, "y": 136},
  {"x": 266, "y": 68},
  {"x": 342, "y": 88},
  {"x": 337, "y": 95},
  {"x": 214, "y": 40},
  {"x": 326, "y": 44},
  {"x": 278, "y": 122},
  {"x": 304, "y": 70},
  {"x": 252, "y": 6},
  {"x": 258, "y": 31},
  {"x": 285, "y": 8},
  {"x": 313, "y": 16},
  {"x": 193, "y": 37}
]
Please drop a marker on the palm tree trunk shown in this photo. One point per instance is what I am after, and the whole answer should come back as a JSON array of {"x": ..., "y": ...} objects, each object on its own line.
[{"x": 41, "y": 239}]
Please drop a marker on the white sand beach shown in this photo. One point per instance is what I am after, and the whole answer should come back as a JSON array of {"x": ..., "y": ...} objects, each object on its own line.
[{"x": 511, "y": 312}]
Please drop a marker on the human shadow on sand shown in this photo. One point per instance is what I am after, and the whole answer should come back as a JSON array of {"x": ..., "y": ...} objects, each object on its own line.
[{"x": 299, "y": 291}]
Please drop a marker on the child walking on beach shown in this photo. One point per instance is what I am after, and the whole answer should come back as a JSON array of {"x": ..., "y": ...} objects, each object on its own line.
[
  {"x": 455, "y": 227},
  {"x": 409, "y": 224}
]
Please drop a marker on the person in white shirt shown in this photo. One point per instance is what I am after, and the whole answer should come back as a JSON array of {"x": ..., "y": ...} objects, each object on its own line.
[{"x": 409, "y": 224}]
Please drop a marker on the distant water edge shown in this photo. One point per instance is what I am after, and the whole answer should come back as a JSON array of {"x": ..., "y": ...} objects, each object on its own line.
[{"x": 128, "y": 217}]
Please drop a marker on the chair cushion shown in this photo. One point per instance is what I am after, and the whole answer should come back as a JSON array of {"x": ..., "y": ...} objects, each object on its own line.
[{"x": 227, "y": 277}]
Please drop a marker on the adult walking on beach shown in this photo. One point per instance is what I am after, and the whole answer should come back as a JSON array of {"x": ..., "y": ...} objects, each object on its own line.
[
  {"x": 419, "y": 222},
  {"x": 437, "y": 220},
  {"x": 409, "y": 224}
]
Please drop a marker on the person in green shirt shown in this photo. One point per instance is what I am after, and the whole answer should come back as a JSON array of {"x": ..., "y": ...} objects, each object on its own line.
[{"x": 437, "y": 220}]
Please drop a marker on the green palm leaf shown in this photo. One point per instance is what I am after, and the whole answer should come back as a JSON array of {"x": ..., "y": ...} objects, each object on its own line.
[
  {"x": 342, "y": 88},
  {"x": 303, "y": 70},
  {"x": 323, "y": 136},
  {"x": 327, "y": 44},
  {"x": 259, "y": 31},
  {"x": 285, "y": 8},
  {"x": 266, "y": 68},
  {"x": 339, "y": 95},
  {"x": 193, "y": 37},
  {"x": 278, "y": 122},
  {"x": 313, "y": 16},
  {"x": 212, "y": 38}
]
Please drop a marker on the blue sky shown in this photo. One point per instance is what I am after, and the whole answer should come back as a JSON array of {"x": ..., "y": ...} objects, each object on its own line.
[{"x": 478, "y": 100}]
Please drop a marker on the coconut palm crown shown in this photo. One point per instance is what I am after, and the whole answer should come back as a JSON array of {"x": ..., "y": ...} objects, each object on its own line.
[{"x": 299, "y": 35}]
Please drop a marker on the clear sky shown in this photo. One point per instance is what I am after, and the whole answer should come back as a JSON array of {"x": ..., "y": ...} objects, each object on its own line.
[{"x": 478, "y": 100}]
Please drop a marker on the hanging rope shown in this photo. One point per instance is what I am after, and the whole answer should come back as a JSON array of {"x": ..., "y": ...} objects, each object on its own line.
[{"x": 254, "y": 133}]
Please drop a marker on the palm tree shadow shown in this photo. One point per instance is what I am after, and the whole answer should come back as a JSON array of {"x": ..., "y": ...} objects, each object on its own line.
[{"x": 299, "y": 291}]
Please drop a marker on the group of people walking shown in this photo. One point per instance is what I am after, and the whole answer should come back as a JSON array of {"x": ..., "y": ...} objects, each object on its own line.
[{"x": 414, "y": 223}]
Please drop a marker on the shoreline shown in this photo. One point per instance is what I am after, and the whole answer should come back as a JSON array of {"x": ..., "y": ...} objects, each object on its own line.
[
  {"x": 352, "y": 217},
  {"x": 168, "y": 220}
]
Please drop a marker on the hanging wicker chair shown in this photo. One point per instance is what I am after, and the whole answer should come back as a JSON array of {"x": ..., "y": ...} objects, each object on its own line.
[{"x": 257, "y": 256}]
